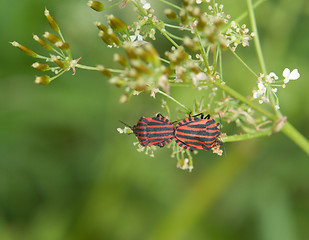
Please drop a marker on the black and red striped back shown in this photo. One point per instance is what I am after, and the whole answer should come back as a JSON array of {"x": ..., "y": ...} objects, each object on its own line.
[
  {"x": 196, "y": 133},
  {"x": 157, "y": 131}
]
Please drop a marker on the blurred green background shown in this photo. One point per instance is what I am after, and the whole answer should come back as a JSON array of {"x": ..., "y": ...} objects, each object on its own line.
[{"x": 65, "y": 172}]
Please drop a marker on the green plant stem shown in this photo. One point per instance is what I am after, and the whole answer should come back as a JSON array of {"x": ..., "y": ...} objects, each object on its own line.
[
  {"x": 256, "y": 38},
  {"x": 171, "y": 4},
  {"x": 165, "y": 34},
  {"x": 248, "y": 136},
  {"x": 260, "y": 54},
  {"x": 174, "y": 36},
  {"x": 174, "y": 100},
  {"x": 296, "y": 137},
  {"x": 245, "y": 14},
  {"x": 113, "y": 5},
  {"x": 250, "y": 69},
  {"x": 96, "y": 69}
]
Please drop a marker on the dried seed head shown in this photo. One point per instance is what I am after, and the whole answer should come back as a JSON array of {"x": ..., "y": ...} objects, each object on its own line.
[
  {"x": 170, "y": 14},
  {"x": 124, "y": 98},
  {"x": 183, "y": 16},
  {"x": 139, "y": 85},
  {"x": 106, "y": 38},
  {"x": 116, "y": 24},
  {"x": 114, "y": 38},
  {"x": 202, "y": 22},
  {"x": 52, "y": 22},
  {"x": 117, "y": 81},
  {"x": 62, "y": 45},
  {"x": 120, "y": 59},
  {"x": 42, "y": 42},
  {"x": 24, "y": 49},
  {"x": 51, "y": 37},
  {"x": 104, "y": 71},
  {"x": 100, "y": 26},
  {"x": 96, "y": 5},
  {"x": 57, "y": 61},
  {"x": 40, "y": 66},
  {"x": 190, "y": 43},
  {"x": 139, "y": 66},
  {"x": 44, "y": 80},
  {"x": 151, "y": 54},
  {"x": 130, "y": 50}
]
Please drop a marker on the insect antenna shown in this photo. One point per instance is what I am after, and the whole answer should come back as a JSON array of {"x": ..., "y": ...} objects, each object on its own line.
[
  {"x": 220, "y": 132},
  {"x": 127, "y": 126}
]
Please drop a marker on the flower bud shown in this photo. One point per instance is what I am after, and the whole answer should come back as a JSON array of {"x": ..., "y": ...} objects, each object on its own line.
[
  {"x": 52, "y": 22},
  {"x": 44, "y": 80},
  {"x": 170, "y": 14},
  {"x": 116, "y": 24},
  {"x": 51, "y": 37},
  {"x": 100, "y": 26},
  {"x": 104, "y": 71},
  {"x": 43, "y": 43},
  {"x": 58, "y": 62},
  {"x": 24, "y": 49},
  {"x": 40, "y": 66},
  {"x": 96, "y": 5}
]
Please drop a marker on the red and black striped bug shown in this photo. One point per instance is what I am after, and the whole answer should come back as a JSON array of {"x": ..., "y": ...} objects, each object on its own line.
[
  {"x": 157, "y": 131},
  {"x": 197, "y": 133}
]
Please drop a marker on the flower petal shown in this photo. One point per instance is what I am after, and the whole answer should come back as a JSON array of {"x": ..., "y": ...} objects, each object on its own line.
[
  {"x": 286, "y": 73},
  {"x": 294, "y": 74}
]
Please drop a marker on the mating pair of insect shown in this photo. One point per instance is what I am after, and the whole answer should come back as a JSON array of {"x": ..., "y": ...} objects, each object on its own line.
[{"x": 191, "y": 133}]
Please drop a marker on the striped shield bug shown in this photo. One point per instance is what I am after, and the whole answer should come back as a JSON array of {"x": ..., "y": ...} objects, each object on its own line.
[
  {"x": 197, "y": 133},
  {"x": 157, "y": 131}
]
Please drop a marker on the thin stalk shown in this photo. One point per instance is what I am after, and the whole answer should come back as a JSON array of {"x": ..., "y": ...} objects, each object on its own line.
[
  {"x": 245, "y": 14},
  {"x": 96, "y": 69},
  {"x": 171, "y": 4},
  {"x": 246, "y": 136},
  {"x": 173, "y": 99},
  {"x": 249, "y": 68},
  {"x": 174, "y": 36},
  {"x": 164, "y": 32},
  {"x": 256, "y": 38},
  {"x": 177, "y": 27},
  {"x": 296, "y": 137}
]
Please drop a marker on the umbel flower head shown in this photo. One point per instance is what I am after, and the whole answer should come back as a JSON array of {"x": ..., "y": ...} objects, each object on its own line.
[{"x": 59, "y": 58}]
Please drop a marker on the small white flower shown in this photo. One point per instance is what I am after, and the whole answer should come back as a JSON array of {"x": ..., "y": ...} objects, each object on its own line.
[
  {"x": 288, "y": 75},
  {"x": 120, "y": 130},
  {"x": 273, "y": 75},
  {"x": 146, "y": 5},
  {"x": 136, "y": 38},
  {"x": 277, "y": 107}
]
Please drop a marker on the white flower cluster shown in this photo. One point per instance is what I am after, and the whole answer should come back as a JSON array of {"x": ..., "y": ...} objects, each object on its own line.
[
  {"x": 238, "y": 35},
  {"x": 267, "y": 85}
]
